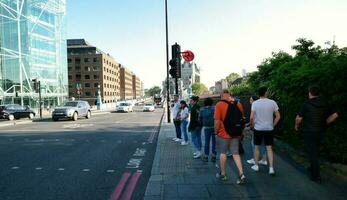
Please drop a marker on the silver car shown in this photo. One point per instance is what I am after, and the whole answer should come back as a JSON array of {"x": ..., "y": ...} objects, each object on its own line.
[{"x": 72, "y": 110}]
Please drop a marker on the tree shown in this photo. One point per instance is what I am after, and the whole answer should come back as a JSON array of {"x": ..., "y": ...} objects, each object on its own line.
[
  {"x": 199, "y": 88},
  {"x": 231, "y": 78},
  {"x": 153, "y": 91}
]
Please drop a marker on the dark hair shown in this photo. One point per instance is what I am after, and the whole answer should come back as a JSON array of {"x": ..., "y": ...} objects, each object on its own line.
[
  {"x": 254, "y": 97},
  {"x": 262, "y": 90},
  {"x": 226, "y": 91},
  {"x": 184, "y": 103},
  {"x": 195, "y": 98},
  {"x": 314, "y": 90},
  {"x": 208, "y": 101}
]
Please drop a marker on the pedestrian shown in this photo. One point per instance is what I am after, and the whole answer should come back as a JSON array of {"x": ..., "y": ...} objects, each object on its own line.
[
  {"x": 184, "y": 115},
  {"x": 263, "y": 160},
  {"x": 263, "y": 122},
  {"x": 195, "y": 126},
  {"x": 207, "y": 122},
  {"x": 228, "y": 128},
  {"x": 315, "y": 114},
  {"x": 176, "y": 106}
]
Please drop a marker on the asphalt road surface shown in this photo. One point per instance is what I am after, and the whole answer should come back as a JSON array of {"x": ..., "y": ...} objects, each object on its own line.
[{"x": 107, "y": 157}]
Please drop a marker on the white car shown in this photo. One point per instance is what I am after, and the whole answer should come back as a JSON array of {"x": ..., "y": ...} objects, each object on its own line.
[
  {"x": 148, "y": 107},
  {"x": 124, "y": 107}
]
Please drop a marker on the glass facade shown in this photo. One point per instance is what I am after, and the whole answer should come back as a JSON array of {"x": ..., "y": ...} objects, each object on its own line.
[{"x": 33, "y": 46}]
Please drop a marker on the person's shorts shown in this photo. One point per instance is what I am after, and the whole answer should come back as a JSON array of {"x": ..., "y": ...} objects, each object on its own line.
[
  {"x": 227, "y": 145},
  {"x": 266, "y": 137}
]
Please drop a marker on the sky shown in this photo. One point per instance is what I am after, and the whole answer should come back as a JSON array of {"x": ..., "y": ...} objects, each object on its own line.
[{"x": 225, "y": 35}]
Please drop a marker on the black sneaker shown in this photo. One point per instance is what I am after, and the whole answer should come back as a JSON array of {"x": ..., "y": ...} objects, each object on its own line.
[
  {"x": 204, "y": 158},
  {"x": 221, "y": 177},
  {"x": 213, "y": 158},
  {"x": 241, "y": 180}
]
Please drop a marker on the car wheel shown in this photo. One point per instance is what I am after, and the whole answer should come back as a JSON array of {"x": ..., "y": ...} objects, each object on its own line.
[
  {"x": 75, "y": 116},
  {"x": 10, "y": 117},
  {"x": 88, "y": 115},
  {"x": 31, "y": 116}
]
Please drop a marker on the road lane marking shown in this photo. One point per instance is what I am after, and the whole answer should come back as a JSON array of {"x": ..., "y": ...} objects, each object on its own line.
[
  {"x": 110, "y": 171},
  {"x": 86, "y": 170},
  {"x": 119, "y": 188},
  {"x": 15, "y": 167},
  {"x": 131, "y": 186},
  {"x": 61, "y": 169},
  {"x": 38, "y": 168},
  {"x": 134, "y": 163},
  {"x": 140, "y": 152}
]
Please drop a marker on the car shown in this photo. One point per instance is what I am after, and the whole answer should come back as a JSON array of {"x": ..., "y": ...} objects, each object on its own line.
[
  {"x": 125, "y": 107},
  {"x": 148, "y": 107},
  {"x": 15, "y": 111},
  {"x": 72, "y": 110}
]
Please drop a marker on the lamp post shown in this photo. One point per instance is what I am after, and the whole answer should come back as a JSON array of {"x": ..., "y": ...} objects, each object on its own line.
[
  {"x": 98, "y": 99},
  {"x": 167, "y": 66}
]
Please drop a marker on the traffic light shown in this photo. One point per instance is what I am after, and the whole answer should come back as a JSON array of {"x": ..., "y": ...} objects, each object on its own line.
[
  {"x": 36, "y": 85},
  {"x": 175, "y": 62}
]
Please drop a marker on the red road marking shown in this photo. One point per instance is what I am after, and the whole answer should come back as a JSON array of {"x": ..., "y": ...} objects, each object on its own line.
[
  {"x": 131, "y": 186},
  {"x": 118, "y": 191}
]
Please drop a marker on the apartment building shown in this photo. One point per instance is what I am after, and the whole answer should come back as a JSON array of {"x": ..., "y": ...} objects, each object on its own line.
[
  {"x": 91, "y": 70},
  {"x": 137, "y": 87},
  {"x": 126, "y": 84}
]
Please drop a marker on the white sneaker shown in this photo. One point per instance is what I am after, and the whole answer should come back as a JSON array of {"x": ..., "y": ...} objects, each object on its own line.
[
  {"x": 174, "y": 139},
  {"x": 184, "y": 143},
  {"x": 263, "y": 162},
  {"x": 178, "y": 140},
  {"x": 255, "y": 168},
  {"x": 271, "y": 171},
  {"x": 251, "y": 161},
  {"x": 197, "y": 155}
]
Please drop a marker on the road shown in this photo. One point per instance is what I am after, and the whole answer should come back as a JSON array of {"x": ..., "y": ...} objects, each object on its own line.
[{"x": 106, "y": 157}]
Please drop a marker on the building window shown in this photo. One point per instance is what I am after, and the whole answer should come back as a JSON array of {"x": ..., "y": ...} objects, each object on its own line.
[
  {"x": 87, "y": 69},
  {"x": 70, "y": 77},
  {"x": 77, "y": 60},
  {"x": 87, "y": 94},
  {"x": 87, "y": 85},
  {"x": 96, "y": 85},
  {"x": 95, "y": 59},
  {"x": 69, "y": 68},
  {"x": 78, "y": 76},
  {"x": 96, "y": 77},
  {"x": 96, "y": 68},
  {"x": 86, "y": 60},
  {"x": 69, "y": 60},
  {"x": 78, "y": 68},
  {"x": 87, "y": 77},
  {"x": 70, "y": 86}
]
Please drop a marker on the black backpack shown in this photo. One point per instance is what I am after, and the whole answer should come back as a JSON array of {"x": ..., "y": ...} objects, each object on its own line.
[{"x": 233, "y": 122}]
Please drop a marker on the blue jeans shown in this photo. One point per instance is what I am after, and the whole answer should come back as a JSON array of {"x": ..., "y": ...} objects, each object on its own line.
[
  {"x": 209, "y": 134},
  {"x": 196, "y": 138},
  {"x": 184, "y": 131},
  {"x": 177, "y": 124}
]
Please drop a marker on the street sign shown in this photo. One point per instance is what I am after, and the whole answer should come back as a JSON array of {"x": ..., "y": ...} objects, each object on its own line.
[{"x": 188, "y": 55}]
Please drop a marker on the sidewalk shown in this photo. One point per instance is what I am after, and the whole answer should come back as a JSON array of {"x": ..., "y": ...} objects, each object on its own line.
[{"x": 176, "y": 175}]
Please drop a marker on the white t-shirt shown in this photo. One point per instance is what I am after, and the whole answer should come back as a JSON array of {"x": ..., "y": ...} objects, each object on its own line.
[
  {"x": 185, "y": 114},
  {"x": 176, "y": 109},
  {"x": 264, "y": 110}
]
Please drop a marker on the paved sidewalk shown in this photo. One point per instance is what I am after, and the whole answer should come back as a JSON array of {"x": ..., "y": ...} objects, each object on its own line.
[{"x": 176, "y": 175}]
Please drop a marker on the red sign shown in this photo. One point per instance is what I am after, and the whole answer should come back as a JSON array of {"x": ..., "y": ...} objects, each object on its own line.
[{"x": 188, "y": 55}]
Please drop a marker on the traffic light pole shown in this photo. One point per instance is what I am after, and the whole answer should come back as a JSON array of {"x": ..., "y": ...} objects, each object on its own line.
[
  {"x": 176, "y": 85},
  {"x": 167, "y": 67},
  {"x": 40, "y": 100}
]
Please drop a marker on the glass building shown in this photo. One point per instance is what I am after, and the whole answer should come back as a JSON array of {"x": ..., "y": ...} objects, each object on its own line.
[{"x": 33, "y": 46}]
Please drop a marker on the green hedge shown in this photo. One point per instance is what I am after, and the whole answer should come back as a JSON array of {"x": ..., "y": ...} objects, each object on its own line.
[{"x": 288, "y": 78}]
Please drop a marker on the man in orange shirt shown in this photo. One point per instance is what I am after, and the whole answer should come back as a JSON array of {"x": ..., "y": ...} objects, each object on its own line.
[{"x": 225, "y": 142}]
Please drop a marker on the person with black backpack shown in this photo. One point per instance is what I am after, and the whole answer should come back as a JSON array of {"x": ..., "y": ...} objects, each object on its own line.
[{"x": 228, "y": 124}]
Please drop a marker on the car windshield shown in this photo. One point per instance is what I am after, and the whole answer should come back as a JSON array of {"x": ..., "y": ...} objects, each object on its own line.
[
  {"x": 124, "y": 104},
  {"x": 71, "y": 104},
  {"x": 148, "y": 104}
]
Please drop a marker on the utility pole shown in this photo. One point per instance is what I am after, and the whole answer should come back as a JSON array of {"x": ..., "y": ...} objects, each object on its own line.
[
  {"x": 40, "y": 99},
  {"x": 167, "y": 66}
]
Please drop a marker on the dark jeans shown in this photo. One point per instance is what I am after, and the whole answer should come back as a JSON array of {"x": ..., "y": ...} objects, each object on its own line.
[
  {"x": 312, "y": 142},
  {"x": 177, "y": 124},
  {"x": 209, "y": 134}
]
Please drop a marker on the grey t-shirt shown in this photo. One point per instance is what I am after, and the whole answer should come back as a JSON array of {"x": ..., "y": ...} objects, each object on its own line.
[{"x": 264, "y": 110}]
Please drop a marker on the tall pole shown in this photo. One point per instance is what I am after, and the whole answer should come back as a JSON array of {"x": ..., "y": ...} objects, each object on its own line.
[
  {"x": 167, "y": 66},
  {"x": 40, "y": 100}
]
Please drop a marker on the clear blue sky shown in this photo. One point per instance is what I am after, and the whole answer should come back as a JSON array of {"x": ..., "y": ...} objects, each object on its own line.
[{"x": 226, "y": 35}]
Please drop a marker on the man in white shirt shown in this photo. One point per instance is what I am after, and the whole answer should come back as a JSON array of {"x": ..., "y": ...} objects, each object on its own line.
[
  {"x": 176, "y": 119},
  {"x": 263, "y": 122}
]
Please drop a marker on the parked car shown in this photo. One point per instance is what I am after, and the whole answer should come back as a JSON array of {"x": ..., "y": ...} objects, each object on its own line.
[
  {"x": 125, "y": 107},
  {"x": 72, "y": 110},
  {"x": 15, "y": 111},
  {"x": 148, "y": 107}
]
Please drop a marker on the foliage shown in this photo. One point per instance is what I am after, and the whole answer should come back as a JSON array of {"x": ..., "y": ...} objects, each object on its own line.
[
  {"x": 231, "y": 78},
  {"x": 152, "y": 91},
  {"x": 199, "y": 88},
  {"x": 241, "y": 90},
  {"x": 288, "y": 78}
]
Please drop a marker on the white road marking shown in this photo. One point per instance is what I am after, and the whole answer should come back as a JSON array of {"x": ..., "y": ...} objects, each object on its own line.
[
  {"x": 86, "y": 170},
  {"x": 134, "y": 163},
  {"x": 140, "y": 171},
  {"x": 110, "y": 171},
  {"x": 15, "y": 167},
  {"x": 38, "y": 168},
  {"x": 61, "y": 169}
]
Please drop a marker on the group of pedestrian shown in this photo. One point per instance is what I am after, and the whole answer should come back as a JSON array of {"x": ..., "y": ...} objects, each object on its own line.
[{"x": 223, "y": 126}]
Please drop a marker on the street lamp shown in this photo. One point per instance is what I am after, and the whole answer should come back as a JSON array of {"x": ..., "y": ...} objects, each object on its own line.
[{"x": 98, "y": 99}]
